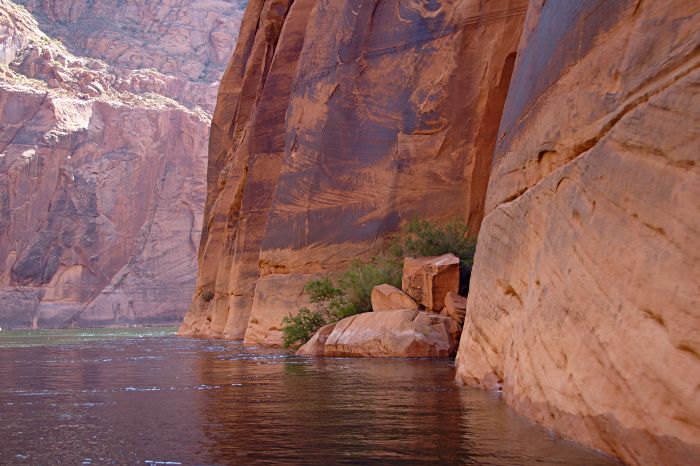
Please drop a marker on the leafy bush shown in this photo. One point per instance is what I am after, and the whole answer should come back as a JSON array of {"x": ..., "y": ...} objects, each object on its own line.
[
  {"x": 207, "y": 296},
  {"x": 331, "y": 302},
  {"x": 300, "y": 328},
  {"x": 422, "y": 238},
  {"x": 351, "y": 293},
  {"x": 357, "y": 282}
]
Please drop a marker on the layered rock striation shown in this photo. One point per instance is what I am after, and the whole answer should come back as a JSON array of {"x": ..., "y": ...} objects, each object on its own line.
[
  {"x": 336, "y": 121},
  {"x": 576, "y": 142},
  {"x": 102, "y": 163},
  {"x": 585, "y": 295}
]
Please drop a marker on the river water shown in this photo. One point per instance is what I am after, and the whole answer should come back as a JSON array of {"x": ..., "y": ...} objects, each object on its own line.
[{"x": 149, "y": 397}]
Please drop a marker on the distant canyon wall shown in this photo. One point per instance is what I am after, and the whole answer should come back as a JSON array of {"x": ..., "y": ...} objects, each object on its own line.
[
  {"x": 585, "y": 294},
  {"x": 337, "y": 121},
  {"x": 104, "y": 121}
]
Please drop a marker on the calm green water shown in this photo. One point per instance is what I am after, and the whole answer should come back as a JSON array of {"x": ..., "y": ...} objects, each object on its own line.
[
  {"x": 147, "y": 397},
  {"x": 29, "y": 338}
]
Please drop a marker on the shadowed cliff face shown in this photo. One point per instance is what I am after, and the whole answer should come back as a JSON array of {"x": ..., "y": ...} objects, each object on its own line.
[
  {"x": 584, "y": 295},
  {"x": 337, "y": 121},
  {"x": 102, "y": 162}
]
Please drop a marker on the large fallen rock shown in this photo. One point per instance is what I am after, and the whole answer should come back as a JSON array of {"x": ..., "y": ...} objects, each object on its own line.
[
  {"x": 585, "y": 294},
  {"x": 429, "y": 279},
  {"x": 389, "y": 298},
  {"x": 402, "y": 333},
  {"x": 455, "y": 306},
  {"x": 316, "y": 346}
]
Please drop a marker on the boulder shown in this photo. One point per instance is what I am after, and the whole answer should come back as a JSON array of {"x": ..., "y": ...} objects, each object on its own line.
[
  {"x": 455, "y": 306},
  {"x": 429, "y": 279},
  {"x": 317, "y": 345},
  {"x": 402, "y": 333},
  {"x": 389, "y": 298},
  {"x": 451, "y": 326}
]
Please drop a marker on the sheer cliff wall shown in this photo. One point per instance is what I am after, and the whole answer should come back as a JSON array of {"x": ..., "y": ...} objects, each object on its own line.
[
  {"x": 576, "y": 142},
  {"x": 585, "y": 294},
  {"x": 337, "y": 121}
]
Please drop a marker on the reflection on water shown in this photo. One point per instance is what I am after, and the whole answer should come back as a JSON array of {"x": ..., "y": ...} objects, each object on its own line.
[{"x": 147, "y": 397}]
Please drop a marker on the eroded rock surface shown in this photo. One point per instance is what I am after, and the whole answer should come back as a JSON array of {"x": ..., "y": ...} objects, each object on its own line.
[
  {"x": 316, "y": 346},
  {"x": 336, "y": 121},
  {"x": 102, "y": 163},
  {"x": 455, "y": 306},
  {"x": 428, "y": 280},
  {"x": 173, "y": 48},
  {"x": 402, "y": 333},
  {"x": 585, "y": 295},
  {"x": 388, "y": 298}
]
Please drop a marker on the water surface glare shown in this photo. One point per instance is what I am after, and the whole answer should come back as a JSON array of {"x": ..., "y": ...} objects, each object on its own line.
[{"x": 147, "y": 397}]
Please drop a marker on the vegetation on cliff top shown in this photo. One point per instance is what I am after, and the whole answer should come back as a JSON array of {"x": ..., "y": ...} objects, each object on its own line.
[{"x": 350, "y": 292}]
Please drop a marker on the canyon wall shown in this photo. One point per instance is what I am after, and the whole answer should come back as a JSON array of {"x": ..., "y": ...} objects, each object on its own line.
[
  {"x": 104, "y": 116},
  {"x": 336, "y": 121},
  {"x": 585, "y": 295},
  {"x": 576, "y": 142}
]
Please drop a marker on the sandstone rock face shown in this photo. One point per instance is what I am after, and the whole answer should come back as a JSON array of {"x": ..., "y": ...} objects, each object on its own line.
[
  {"x": 276, "y": 296},
  {"x": 316, "y": 346},
  {"x": 335, "y": 122},
  {"x": 455, "y": 306},
  {"x": 102, "y": 164},
  {"x": 429, "y": 279},
  {"x": 172, "y": 48},
  {"x": 389, "y": 298},
  {"x": 585, "y": 292},
  {"x": 402, "y": 333}
]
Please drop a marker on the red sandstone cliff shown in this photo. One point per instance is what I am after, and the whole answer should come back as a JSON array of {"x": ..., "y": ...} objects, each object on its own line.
[
  {"x": 102, "y": 162},
  {"x": 338, "y": 120},
  {"x": 335, "y": 122},
  {"x": 585, "y": 295}
]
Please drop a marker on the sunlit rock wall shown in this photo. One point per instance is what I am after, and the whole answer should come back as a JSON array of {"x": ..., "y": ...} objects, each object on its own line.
[{"x": 585, "y": 295}]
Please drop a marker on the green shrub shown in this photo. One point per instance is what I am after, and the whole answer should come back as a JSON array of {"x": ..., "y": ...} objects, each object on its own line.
[
  {"x": 207, "y": 296},
  {"x": 357, "y": 282},
  {"x": 351, "y": 292},
  {"x": 324, "y": 294},
  {"x": 331, "y": 302},
  {"x": 299, "y": 329}
]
